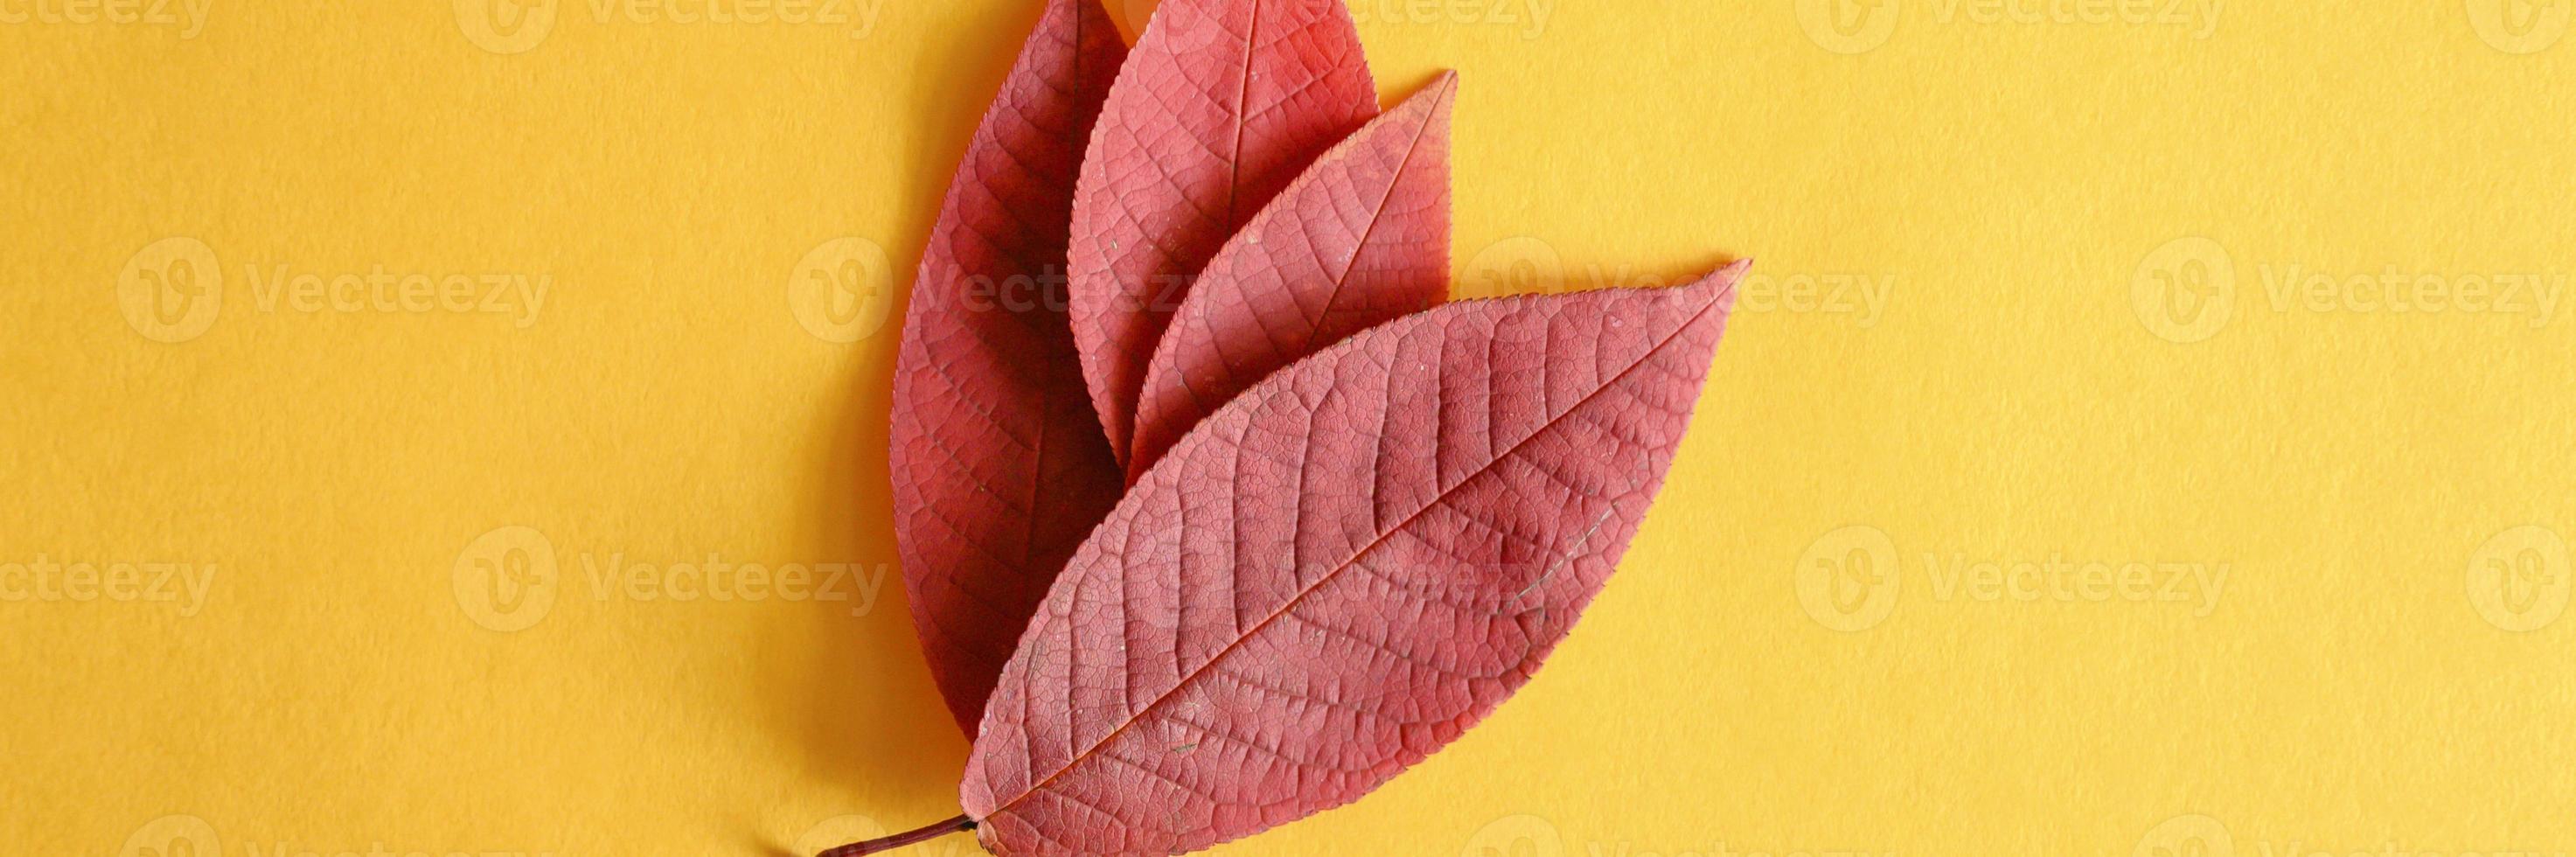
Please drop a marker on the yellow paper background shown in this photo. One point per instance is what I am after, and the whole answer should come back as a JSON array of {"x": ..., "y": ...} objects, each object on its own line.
[{"x": 2020, "y": 189}]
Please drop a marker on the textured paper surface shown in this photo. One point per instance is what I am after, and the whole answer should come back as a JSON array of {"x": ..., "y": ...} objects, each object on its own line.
[{"x": 1962, "y": 336}]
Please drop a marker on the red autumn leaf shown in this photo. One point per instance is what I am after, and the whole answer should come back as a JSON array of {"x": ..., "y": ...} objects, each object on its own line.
[
  {"x": 999, "y": 468},
  {"x": 1221, "y": 105},
  {"x": 1360, "y": 239},
  {"x": 1340, "y": 572}
]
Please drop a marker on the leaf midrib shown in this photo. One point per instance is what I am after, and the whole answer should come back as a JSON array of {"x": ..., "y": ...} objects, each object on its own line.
[{"x": 1132, "y": 718}]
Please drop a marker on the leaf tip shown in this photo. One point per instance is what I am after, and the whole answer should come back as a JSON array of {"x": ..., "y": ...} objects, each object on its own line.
[
  {"x": 1720, "y": 284},
  {"x": 1443, "y": 88}
]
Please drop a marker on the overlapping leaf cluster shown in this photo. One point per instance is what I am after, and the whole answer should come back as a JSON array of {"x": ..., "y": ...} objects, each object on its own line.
[{"x": 1210, "y": 520}]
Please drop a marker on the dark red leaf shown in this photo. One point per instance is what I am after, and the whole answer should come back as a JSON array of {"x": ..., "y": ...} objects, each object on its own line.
[
  {"x": 999, "y": 467},
  {"x": 1222, "y": 104},
  {"x": 1340, "y": 572},
  {"x": 1360, "y": 239}
]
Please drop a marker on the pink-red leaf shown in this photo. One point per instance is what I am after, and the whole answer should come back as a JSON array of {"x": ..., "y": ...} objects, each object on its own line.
[
  {"x": 1360, "y": 239},
  {"x": 1221, "y": 105},
  {"x": 999, "y": 468},
  {"x": 1339, "y": 572}
]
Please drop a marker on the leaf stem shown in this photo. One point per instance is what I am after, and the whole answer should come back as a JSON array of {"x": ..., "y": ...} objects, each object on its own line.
[{"x": 960, "y": 824}]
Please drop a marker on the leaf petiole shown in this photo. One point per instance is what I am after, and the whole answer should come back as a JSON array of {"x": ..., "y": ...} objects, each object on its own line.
[{"x": 960, "y": 824}]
